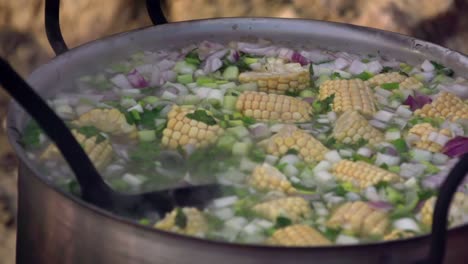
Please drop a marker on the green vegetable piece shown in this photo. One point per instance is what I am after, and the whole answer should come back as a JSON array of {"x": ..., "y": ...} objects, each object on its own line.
[
  {"x": 31, "y": 135},
  {"x": 292, "y": 151},
  {"x": 307, "y": 93},
  {"x": 135, "y": 114},
  {"x": 185, "y": 78},
  {"x": 282, "y": 222},
  {"x": 144, "y": 221},
  {"x": 323, "y": 106},
  {"x": 390, "y": 86},
  {"x": 202, "y": 80},
  {"x": 147, "y": 135},
  {"x": 180, "y": 219},
  {"x": 426, "y": 194},
  {"x": 250, "y": 60},
  {"x": 406, "y": 209},
  {"x": 364, "y": 76},
  {"x": 231, "y": 73},
  {"x": 430, "y": 168},
  {"x": 202, "y": 116},
  {"x": 394, "y": 169},
  {"x": 394, "y": 196},
  {"x": 229, "y": 102},
  {"x": 302, "y": 189},
  {"x": 192, "y": 58},
  {"x": 386, "y": 69},
  {"x": 441, "y": 69},
  {"x": 332, "y": 233},
  {"x": 226, "y": 142},
  {"x": 400, "y": 145},
  {"x": 248, "y": 120},
  {"x": 257, "y": 154},
  {"x": 336, "y": 76},
  {"x": 293, "y": 93}
]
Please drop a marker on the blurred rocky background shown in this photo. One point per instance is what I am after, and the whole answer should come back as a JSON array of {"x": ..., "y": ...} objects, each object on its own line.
[{"x": 23, "y": 42}]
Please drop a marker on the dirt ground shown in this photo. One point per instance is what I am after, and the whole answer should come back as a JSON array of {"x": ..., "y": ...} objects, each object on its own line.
[{"x": 24, "y": 45}]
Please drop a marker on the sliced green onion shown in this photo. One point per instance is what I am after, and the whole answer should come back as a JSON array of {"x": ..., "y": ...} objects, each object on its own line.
[{"x": 147, "y": 135}]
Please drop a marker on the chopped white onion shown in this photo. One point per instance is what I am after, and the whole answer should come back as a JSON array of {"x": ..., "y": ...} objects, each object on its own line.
[
  {"x": 270, "y": 159},
  {"x": 421, "y": 154},
  {"x": 322, "y": 166},
  {"x": 324, "y": 176},
  {"x": 291, "y": 171},
  {"x": 357, "y": 67},
  {"x": 387, "y": 159},
  {"x": 406, "y": 224},
  {"x": 383, "y": 116},
  {"x": 427, "y": 66},
  {"x": 132, "y": 180},
  {"x": 392, "y": 135},
  {"x": 224, "y": 213},
  {"x": 225, "y": 201},
  {"x": 374, "y": 67},
  {"x": 377, "y": 124},
  {"x": 346, "y": 240},
  {"x": 371, "y": 194},
  {"x": 136, "y": 107},
  {"x": 366, "y": 152},
  {"x": 383, "y": 92},
  {"x": 409, "y": 170},
  {"x": 289, "y": 159},
  {"x": 404, "y": 111},
  {"x": 439, "y": 158},
  {"x": 332, "y": 156},
  {"x": 121, "y": 81},
  {"x": 346, "y": 153}
]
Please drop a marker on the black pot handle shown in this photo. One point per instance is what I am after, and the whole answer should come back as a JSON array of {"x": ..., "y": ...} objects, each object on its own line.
[
  {"x": 439, "y": 224},
  {"x": 54, "y": 33},
  {"x": 79, "y": 162}
]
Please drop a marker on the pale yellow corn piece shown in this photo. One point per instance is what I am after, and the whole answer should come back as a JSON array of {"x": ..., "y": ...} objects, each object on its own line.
[
  {"x": 351, "y": 94},
  {"x": 396, "y": 234},
  {"x": 423, "y": 131},
  {"x": 196, "y": 224},
  {"x": 266, "y": 107},
  {"x": 110, "y": 121},
  {"x": 446, "y": 106},
  {"x": 391, "y": 77},
  {"x": 99, "y": 153},
  {"x": 359, "y": 218},
  {"x": 352, "y": 126},
  {"x": 278, "y": 78},
  {"x": 268, "y": 178},
  {"x": 362, "y": 174},
  {"x": 291, "y": 137},
  {"x": 457, "y": 213},
  {"x": 294, "y": 208},
  {"x": 411, "y": 83},
  {"x": 298, "y": 236},
  {"x": 182, "y": 131}
]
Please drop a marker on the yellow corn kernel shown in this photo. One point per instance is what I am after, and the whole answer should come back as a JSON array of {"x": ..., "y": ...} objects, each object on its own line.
[
  {"x": 458, "y": 209},
  {"x": 294, "y": 208},
  {"x": 352, "y": 127},
  {"x": 278, "y": 77},
  {"x": 110, "y": 121},
  {"x": 298, "y": 236},
  {"x": 396, "y": 234},
  {"x": 99, "y": 153},
  {"x": 182, "y": 131},
  {"x": 392, "y": 77},
  {"x": 362, "y": 174},
  {"x": 446, "y": 106},
  {"x": 425, "y": 131},
  {"x": 359, "y": 218},
  {"x": 291, "y": 137},
  {"x": 267, "y": 107},
  {"x": 268, "y": 178},
  {"x": 411, "y": 83},
  {"x": 349, "y": 95},
  {"x": 195, "y": 225}
]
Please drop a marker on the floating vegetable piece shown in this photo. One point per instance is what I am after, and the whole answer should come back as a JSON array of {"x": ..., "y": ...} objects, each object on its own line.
[
  {"x": 430, "y": 138},
  {"x": 457, "y": 214},
  {"x": 396, "y": 234},
  {"x": 291, "y": 137},
  {"x": 456, "y": 146},
  {"x": 446, "y": 106},
  {"x": 278, "y": 77},
  {"x": 362, "y": 174},
  {"x": 110, "y": 121},
  {"x": 417, "y": 102},
  {"x": 268, "y": 178},
  {"x": 187, "y": 126},
  {"x": 393, "y": 77},
  {"x": 272, "y": 107},
  {"x": 351, "y": 94},
  {"x": 351, "y": 127},
  {"x": 298, "y": 236},
  {"x": 360, "y": 219},
  {"x": 188, "y": 221},
  {"x": 294, "y": 208},
  {"x": 97, "y": 147}
]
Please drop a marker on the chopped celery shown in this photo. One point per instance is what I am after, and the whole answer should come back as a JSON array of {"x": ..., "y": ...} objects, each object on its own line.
[
  {"x": 406, "y": 208},
  {"x": 241, "y": 148},
  {"x": 229, "y": 102},
  {"x": 185, "y": 78},
  {"x": 182, "y": 67},
  {"x": 203, "y": 80},
  {"x": 150, "y": 99},
  {"x": 394, "y": 196},
  {"x": 430, "y": 168},
  {"x": 226, "y": 142},
  {"x": 211, "y": 85},
  {"x": 231, "y": 73},
  {"x": 250, "y": 60},
  {"x": 135, "y": 114},
  {"x": 364, "y": 76},
  {"x": 239, "y": 131},
  {"x": 147, "y": 135},
  {"x": 247, "y": 87},
  {"x": 307, "y": 93},
  {"x": 390, "y": 86}
]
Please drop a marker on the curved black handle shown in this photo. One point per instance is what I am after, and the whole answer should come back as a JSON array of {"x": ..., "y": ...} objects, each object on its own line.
[
  {"x": 54, "y": 33},
  {"x": 442, "y": 206},
  {"x": 91, "y": 183}
]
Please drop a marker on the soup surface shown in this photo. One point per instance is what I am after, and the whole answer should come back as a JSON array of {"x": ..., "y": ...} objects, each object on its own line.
[{"x": 322, "y": 147}]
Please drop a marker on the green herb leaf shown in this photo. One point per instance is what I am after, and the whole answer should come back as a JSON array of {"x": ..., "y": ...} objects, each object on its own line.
[
  {"x": 30, "y": 137},
  {"x": 292, "y": 151},
  {"x": 192, "y": 58},
  {"x": 332, "y": 233},
  {"x": 364, "y": 76},
  {"x": 382, "y": 184},
  {"x": 257, "y": 155},
  {"x": 426, "y": 194},
  {"x": 282, "y": 222},
  {"x": 248, "y": 120},
  {"x": 386, "y": 69},
  {"x": 336, "y": 76},
  {"x": 144, "y": 221},
  {"x": 441, "y": 69},
  {"x": 323, "y": 106},
  {"x": 202, "y": 116},
  {"x": 293, "y": 93},
  {"x": 390, "y": 86},
  {"x": 180, "y": 218}
]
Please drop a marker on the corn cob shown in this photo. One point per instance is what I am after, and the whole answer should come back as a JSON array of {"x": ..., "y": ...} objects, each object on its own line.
[
  {"x": 278, "y": 77},
  {"x": 181, "y": 130},
  {"x": 398, "y": 234},
  {"x": 297, "y": 236},
  {"x": 411, "y": 83},
  {"x": 99, "y": 153},
  {"x": 351, "y": 127},
  {"x": 349, "y": 95},
  {"x": 392, "y": 77},
  {"x": 268, "y": 178},
  {"x": 107, "y": 120},
  {"x": 194, "y": 224},
  {"x": 359, "y": 218},
  {"x": 362, "y": 174},
  {"x": 446, "y": 106},
  {"x": 265, "y": 107},
  {"x": 291, "y": 137},
  {"x": 294, "y": 208},
  {"x": 425, "y": 131},
  {"x": 458, "y": 210}
]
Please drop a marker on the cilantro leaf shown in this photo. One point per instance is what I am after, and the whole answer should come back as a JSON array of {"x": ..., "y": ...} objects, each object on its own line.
[
  {"x": 332, "y": 233},
  {"x": 441, "y": 69},
  {"x": 323, "y": 106},
  {"x": 390, "y": 86},
  {"x": 180, "y": 218},
  {"x": 91, "y": 131},
  {"x": 364, "y": 76},
  {"x": 192, "y": 58},
  {"x": 282, "y": 221},
  {"x": 31, "y": 135},
  {"x": 293, "y": 93},
  {"x": 202, "y": 116}
]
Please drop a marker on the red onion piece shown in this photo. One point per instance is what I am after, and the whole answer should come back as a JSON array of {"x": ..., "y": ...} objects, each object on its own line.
[
  {"x": 297, "y": 57},
  {"x": 309, "y": 100},
  {"x": 206, "y": 48},
  {"x": 381, "y": 205},
  {"x": 136, "y": 79},
  {"x": 417, "y": 101},
  {"x": 233, "y": 56},
  {"x": 456, "y": 146}
]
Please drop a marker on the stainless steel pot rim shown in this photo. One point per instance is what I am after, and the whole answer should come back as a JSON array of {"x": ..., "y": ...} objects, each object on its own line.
[{"x": 13, "y": 132}]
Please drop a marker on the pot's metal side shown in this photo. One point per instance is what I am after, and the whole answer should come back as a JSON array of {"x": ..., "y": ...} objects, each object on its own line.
[{"x": 55, "y": 227}]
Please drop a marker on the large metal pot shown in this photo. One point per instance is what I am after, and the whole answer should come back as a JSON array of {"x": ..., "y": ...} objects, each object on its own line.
[{"x": 55, "y": 227}]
